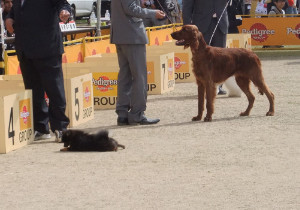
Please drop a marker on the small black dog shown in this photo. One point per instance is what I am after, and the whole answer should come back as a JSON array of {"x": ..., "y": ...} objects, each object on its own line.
[{"x": 78, "y": 140}]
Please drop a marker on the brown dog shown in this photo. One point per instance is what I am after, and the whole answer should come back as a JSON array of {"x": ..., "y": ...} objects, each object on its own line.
[{"x": 213, "y": 65}]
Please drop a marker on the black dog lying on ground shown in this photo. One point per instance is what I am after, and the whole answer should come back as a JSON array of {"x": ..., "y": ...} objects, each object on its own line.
[{"x": 77, "y": 140}]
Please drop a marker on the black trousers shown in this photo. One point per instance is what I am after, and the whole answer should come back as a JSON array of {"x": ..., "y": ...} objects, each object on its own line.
[{"x": 45, "y": 76}]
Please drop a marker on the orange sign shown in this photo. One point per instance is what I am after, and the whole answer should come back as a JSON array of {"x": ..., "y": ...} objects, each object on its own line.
[
  {"x": 13, "y": 66},
  {"x": 73, "y": 53},
  {"x": 25, "y": 115},
  {"x": 105, "y": 83},
  {"x": 150, "y": 72},
  {"x": 170, "y": 69},
  {"x": 272, "y": 31},
  {"x": 157, "y": 37},
  {"x": 99, "y": 47},
  {"x": 87, "y": 96},
  {"x": 181, "y": 62}
]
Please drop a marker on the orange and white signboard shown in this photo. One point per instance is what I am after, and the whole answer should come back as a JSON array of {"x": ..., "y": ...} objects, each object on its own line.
[
  {"x": 16, "y": 123},
  {"x": 73, "y": 54},
  {"x": 272, "y": 31},
  {"x": 25, "y": 114},
  {"x": 99, "y": 47},
  {"x": 79, "y": 98},
  {"x": 105, "y": 83},
  {"x": 157, "y": 37},
  {"x": 87, "y": 94},
  {"x": 105, "y": 87}
]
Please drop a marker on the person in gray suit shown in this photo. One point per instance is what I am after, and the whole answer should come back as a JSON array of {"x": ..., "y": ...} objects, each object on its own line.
[
  {"x": 205, "y": 15},
  {"x": 128, "y": 33}
]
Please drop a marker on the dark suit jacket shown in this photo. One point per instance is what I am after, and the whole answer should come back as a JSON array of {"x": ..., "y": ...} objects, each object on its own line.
[
  {"x": 233, "y": 10},
  {"x": 36, "y": 26},
  {"x": 200, "y": 13}
]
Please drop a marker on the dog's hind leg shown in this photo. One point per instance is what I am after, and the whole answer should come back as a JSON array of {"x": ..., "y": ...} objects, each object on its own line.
[
  {"x": 244, "y": 84},
  {"x": 210, "y": 98},
  {"x": 260, "y": 83},
  {"x": 201, "y": 90}
]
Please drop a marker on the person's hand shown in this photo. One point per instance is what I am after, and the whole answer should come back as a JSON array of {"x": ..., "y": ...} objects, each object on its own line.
[
  {"x": 64, "y": 16},
  {"x": 9, "y": 25},
  {"x": 159, "y": 14}
]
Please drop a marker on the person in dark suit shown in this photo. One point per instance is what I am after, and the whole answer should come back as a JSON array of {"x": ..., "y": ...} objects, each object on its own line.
[
  {"x": 233, "y": 10},
  {"x": 128, "y": 33},
  {"x": 39, "y": 48},
  {"x": 205, "y": 15}
]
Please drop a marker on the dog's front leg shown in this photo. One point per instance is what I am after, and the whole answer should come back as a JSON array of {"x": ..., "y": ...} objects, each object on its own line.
[
  {"x": 65, "y": 149},
  {"x": 210, "y": 98},
  {"x": 201, "y": 91}
]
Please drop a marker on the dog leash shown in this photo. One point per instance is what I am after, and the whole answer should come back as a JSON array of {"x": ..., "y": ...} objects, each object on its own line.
[
  {"x": 229, "y": 1},
  {"x": 165, "y": 12}
]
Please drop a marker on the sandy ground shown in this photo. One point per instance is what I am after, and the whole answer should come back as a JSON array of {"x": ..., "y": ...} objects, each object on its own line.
[{"x": 231, "y": 163}]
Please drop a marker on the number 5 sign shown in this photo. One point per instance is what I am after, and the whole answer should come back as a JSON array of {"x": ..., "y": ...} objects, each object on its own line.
[
  {"x": 79, "y": 92},
  {"x": 16, "y": 125}
]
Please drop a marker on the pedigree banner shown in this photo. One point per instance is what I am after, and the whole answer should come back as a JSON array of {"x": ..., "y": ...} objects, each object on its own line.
[
  {"x": 73, "y": 54},
  {"x": 157, "y": 37},
  {"x": 12, "y": 65},
  {"x": 99, "y": 47},
  {"x": 272, "y": 31}
]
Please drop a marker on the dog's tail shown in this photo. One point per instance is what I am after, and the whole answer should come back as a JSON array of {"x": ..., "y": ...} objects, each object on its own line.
[{"x": 121, "y": 145}]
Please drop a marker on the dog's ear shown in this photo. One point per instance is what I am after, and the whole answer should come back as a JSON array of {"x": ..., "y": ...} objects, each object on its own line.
[
  {"x": 202, "y": 43},
  {"x": 195, "y": 41}
]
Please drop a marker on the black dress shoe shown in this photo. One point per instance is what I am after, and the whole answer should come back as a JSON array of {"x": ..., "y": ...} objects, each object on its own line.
[
  {"x": 221, "y": 91},
  {"x": 145, "y": 121},
  {"x": 122, "y": 121}
]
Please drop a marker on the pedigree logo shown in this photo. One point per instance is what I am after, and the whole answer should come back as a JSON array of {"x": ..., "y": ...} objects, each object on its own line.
[
  {"x": 104, "y": 83},
  {"x": 87, "y": 95},
  {"x": 178, "y": 63},
  {"x": 170, "y": 69},
  {"x": 150, "y": 72},
  {"x": 181, "y": 62},
  {"x": 259, "y": 32},
  {"x": 25, "y": 116},
  {"x": 295, "y": 31}
]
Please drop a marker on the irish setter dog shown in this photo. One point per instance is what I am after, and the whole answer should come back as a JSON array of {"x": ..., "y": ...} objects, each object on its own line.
[{"x": 213, "y": 65}]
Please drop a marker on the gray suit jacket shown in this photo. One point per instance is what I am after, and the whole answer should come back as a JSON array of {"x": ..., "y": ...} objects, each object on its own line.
[
  {"x": 200, "y": 13},
  {"x": 127, "y": 25}
]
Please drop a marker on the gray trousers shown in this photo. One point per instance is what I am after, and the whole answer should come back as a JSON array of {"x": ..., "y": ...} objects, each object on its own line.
[{"x": 132, "y": 81}]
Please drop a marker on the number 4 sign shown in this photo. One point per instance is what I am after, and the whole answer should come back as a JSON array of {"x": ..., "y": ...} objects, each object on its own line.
[{"x": 16, "y": 127}]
